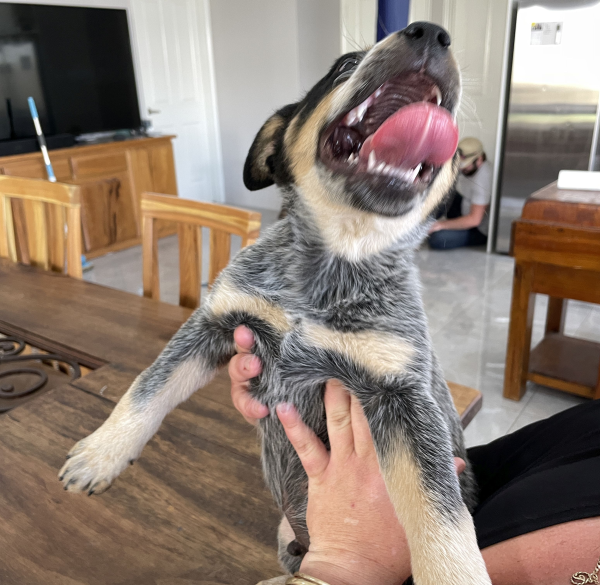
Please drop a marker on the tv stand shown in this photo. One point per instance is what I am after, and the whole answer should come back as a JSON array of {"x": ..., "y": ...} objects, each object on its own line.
[
  {"x": 113, "y": 175},
  {"x": 26, "y": 145}
]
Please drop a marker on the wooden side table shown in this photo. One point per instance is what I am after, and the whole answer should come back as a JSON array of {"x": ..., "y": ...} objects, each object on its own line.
[{"x": 556, "y": 246}]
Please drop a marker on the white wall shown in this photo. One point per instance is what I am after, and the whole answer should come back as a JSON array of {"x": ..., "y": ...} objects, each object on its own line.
[
  {"x": 266, "y": 54},
  {"x": 318, "y": 39}
]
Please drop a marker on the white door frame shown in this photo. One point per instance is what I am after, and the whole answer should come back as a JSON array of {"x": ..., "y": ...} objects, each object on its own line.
[{"x": 358, "y": 22}]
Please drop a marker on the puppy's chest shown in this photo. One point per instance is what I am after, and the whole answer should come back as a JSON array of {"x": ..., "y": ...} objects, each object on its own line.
[{"x": 347, "y": 335}]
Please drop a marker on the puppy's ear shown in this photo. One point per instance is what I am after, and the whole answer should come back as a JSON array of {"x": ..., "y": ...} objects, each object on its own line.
[{"x": 261, "y": 163}]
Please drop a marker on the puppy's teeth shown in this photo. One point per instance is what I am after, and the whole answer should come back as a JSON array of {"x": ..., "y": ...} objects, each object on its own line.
[
  {"x": 438, "y": 95},
  {"x": 412, "y": 175},
  {"x": 378, "y": 91},
  {"x": 356, "y": 115},
  {"x": 350, "y": 119},
  {"x": 360, "y": 110},
  {"x": 350, "y": 158},
  {"x": 380, "y": 167},
  {"x": 372, "y": 161}
]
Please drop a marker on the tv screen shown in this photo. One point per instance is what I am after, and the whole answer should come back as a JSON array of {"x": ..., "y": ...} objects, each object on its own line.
[{"x": 75, "y": 62}]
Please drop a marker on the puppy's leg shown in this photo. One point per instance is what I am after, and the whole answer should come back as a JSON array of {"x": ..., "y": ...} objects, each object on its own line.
[
  {"x": 187, "y": 363},
  {"x": 414, "y": 449},
  {"x": 289, "y": 550},
  {"x": 287, "y": 479}
]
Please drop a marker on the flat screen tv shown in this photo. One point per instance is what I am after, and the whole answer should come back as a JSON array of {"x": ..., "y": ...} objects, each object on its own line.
[{"x": 75, "y": 62}]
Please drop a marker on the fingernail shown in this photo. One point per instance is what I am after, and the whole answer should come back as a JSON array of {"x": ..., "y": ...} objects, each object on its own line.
[
  {"x": 285, "y": 408},
  {"x": 261, "y": 410},
  {"x": 249, "y": 362}
]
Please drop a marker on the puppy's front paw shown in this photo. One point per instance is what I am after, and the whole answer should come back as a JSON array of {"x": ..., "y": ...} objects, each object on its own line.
[{"x": 94, "y": 462}]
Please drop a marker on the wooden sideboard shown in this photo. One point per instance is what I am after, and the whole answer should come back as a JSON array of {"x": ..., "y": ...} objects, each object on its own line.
[{"x": 113, "y": 176}]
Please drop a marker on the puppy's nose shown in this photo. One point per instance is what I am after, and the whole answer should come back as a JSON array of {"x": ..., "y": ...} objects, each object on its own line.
[{"x": 426, "y": 34}]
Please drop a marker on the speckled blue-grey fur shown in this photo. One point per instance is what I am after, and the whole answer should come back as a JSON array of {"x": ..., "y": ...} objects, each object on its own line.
[
  {"x": 297, "y": 270},
  {"x": 290, "y": 268}
]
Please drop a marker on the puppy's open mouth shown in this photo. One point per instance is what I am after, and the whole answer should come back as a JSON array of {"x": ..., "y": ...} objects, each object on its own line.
[{"x": 401, "y": 132}]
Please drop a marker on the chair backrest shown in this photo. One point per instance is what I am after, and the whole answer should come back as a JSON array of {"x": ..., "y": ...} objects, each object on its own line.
[
  {"x": 40, "y": 224},
  {"x": 191, "y": 216}
]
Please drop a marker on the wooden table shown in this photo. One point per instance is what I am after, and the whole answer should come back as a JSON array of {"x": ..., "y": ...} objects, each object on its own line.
[
  {"x": 192, "y": 510},
  {"x": 556, "y": 246}
]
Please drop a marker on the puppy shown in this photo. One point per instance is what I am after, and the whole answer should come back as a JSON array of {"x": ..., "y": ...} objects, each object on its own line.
[{"x": 332, "y": 291}]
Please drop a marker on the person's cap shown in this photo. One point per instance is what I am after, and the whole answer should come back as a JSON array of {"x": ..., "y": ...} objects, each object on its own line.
[{"x": 469, "y": 149}]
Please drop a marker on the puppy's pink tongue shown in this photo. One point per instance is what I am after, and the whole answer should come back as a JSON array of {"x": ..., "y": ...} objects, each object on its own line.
[{"x": 417, "y": 133}]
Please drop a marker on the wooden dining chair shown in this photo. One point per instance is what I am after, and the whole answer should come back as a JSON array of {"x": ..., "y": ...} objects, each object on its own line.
[
  {"x": 191, "y": 216},
  {"x": 40, "y": 224}
]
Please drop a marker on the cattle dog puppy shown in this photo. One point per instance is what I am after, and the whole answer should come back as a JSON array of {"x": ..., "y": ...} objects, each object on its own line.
[{"x": 332, "y": 291}]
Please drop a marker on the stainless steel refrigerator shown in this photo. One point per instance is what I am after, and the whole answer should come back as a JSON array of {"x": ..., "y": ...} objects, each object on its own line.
[{"x": 552, "y": 116}]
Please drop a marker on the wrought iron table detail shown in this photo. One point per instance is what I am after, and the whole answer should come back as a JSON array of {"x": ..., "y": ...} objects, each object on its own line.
[{"x": 39, "y": 372}]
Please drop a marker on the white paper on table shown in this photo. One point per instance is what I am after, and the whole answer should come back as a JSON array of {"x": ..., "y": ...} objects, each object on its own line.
[{"x": 579, "y": 180}]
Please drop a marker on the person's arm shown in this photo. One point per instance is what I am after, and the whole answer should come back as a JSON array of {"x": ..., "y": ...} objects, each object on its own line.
[{"x": 465, "y": 222}]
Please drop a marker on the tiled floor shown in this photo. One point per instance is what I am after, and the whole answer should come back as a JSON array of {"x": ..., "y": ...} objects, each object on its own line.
[{"x": 467, "y": 298}]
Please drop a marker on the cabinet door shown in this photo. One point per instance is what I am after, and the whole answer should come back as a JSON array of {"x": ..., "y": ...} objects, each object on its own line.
[
  {"x": 107, "y": 211},
  {"x": 97, "y": 222},
  {"x": 123, "y": 207},
  {"x": 162, "y": 169}
]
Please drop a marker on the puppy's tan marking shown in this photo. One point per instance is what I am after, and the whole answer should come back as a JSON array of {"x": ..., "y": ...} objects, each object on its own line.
[
  {"x": 302, "y": 144},
  {"x": 266, "y": 145},
  {"x": 440, "y": 187},
  {"x": 441, "y": 551},
  {"x": 354, "y": 234},
  {"x": 378, "y": 352},
  {"x": 227, "y": 298}
]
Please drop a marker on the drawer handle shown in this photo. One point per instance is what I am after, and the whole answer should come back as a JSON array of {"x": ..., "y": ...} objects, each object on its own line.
[{"x": 152, "y": 111}]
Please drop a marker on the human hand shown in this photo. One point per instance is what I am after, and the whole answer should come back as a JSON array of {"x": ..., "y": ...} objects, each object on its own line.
[
  {"x": 355, "y": 536},
  {"x": 242, "y": 368},
  {"x": 436, "y": 227}
]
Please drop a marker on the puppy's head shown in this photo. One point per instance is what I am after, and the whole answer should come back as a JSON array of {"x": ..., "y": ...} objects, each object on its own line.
[{"x": 376, "y": 135}]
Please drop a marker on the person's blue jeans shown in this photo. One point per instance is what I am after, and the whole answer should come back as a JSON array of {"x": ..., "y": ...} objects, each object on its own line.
[{"x": 448, "y": 239}]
